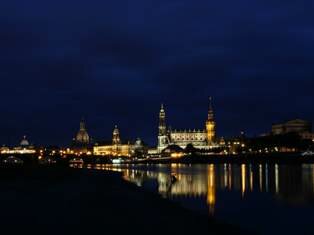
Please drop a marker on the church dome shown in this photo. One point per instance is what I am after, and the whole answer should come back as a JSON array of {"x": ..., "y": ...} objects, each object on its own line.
[
  {"x": 138, "y": 142},
  {"x": 82, "y": 135},
  {"x": 24, "y": 142}
]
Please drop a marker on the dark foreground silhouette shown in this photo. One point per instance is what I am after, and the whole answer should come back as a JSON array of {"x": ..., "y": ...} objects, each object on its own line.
[{"x": 76, "y": 201}]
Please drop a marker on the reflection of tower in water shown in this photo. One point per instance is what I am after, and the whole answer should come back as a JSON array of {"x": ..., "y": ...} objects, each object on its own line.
[
  {"x": 211, "y": 192},
  {"x": 243, "y": 179},
  {"x": 289, "y": 183}
]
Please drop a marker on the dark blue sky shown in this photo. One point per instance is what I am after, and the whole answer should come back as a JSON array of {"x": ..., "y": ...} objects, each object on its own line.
[{"x": 114, "y": 62}]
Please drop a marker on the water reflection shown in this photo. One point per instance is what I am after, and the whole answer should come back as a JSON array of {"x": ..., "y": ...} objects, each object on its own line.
[
  {"x": 293, "y": 184},
  {"x": 211, "y": 193}
]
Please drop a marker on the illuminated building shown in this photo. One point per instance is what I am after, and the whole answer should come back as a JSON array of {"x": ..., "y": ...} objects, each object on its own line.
[
  {"x": 82, "y": 136},
  {"x": 24, "y": 148},
  {"x": 210, "y": 125},
  {"x": 24, "y": 143},
  {"x": 139, "y": 149},
  {"x": 301, "y": 127},
  {"x": 202, "y": 139},
  {"x": 307, "y": 136},
  {"x": 297, "y": 126},
  {"x": 82, "y": 142},
  {"x": 163, "y": 138},
  {"x": 115, "y": 147},
  {"x": 173, "y": 151}
]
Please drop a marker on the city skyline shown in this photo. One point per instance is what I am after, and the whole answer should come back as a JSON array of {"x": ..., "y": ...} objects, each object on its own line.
[
  {"x": 169, "y": 116},
  {"x": 152, "y": 140},
  {"x": 115, "y": 62}
]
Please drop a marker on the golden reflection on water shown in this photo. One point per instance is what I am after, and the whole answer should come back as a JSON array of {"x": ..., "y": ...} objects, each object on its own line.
[
  {"x": 211, "y": 191},
  {"x": 276, "y": 179},
  {"x": 251, "y": 179},
  {"x": 291, "y": 183},
  {"x": 260, "y": 167},
  {"x": 243, "y": 179}
]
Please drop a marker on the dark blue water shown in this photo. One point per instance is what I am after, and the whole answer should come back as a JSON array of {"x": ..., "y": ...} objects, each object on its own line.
[{"x": 265, "y": 198}]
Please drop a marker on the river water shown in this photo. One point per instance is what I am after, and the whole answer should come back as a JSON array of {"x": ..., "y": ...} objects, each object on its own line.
[{"x": 264, "y": 198}]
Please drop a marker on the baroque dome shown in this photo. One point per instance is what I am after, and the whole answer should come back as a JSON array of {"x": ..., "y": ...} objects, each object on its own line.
[
  {"x": 82, "y": 135},
  {"x": 24, "y": 142}
]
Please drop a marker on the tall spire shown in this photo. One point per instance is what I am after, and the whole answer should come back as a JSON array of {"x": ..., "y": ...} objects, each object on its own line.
[
  {"x": 210, "y": 124},
  {"x": 210, "y": 110},
  {"x": 162, "y": 121},
  {"x": 162, "y": 129},
  {"x": 162, "y": 109}
]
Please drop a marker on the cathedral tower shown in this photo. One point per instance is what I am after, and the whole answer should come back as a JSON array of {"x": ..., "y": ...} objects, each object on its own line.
[
  {"x": 162, "y": 133},
  {"x": 116, "y": 136},
  {"x": 210, "y": 124}
]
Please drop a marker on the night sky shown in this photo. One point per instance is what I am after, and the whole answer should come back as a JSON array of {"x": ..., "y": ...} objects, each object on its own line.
[{"x": 115, "y": 62}]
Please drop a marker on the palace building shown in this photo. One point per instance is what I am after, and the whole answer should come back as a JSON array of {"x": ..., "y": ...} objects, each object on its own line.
[
  {"x": 114, "y": 148},
  {"x": 24, "y": 148},
  {"x": 201, "y": 139},
  {"x": 301, "y": 127},
  {"x": 297, "y": 126}
]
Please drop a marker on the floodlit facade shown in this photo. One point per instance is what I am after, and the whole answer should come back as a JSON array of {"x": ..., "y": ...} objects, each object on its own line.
[
  {"x": 82, "y": 136},
  {"x": 82, "y": 143},
  {"x": 297, "y": 126},
  {"x": 202, "y": 139},
  {"x": 307, "y": 136},
  {"x": 24, "y": 148},
  {"x": 115, "y": 148}
]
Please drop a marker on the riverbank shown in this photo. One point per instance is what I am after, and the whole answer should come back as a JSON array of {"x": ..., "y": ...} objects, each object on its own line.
[
  {"x": 272, "y": 158},
  {"x": 60, "y": 200}
]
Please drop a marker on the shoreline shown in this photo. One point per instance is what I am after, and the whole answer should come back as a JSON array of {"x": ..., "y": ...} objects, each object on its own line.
[
  {"x": 279, "y": 158},
  {"x": 62, "y": 200}
]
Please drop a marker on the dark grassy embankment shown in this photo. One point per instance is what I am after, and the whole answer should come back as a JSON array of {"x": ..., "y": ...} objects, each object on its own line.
[{"x": 61, "y": 200}]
